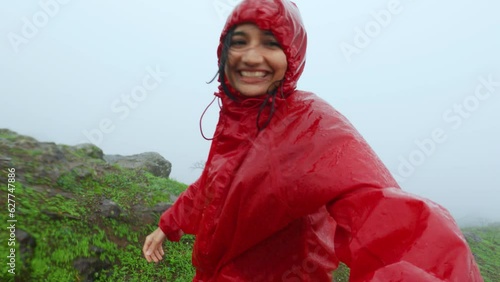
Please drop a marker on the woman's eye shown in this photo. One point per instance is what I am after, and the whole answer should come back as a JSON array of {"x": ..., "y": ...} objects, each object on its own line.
[
  {"x": 273, "y": 44},
  {"x": 238, "y": 42}
]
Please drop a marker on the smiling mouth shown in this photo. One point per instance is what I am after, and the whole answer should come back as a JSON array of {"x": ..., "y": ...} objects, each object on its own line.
[{"x": 258, "y": 74}]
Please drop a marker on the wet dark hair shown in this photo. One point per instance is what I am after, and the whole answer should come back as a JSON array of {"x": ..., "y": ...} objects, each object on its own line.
[
  {"x": 221, "y": 74},
  {"x": 226, "y": 44}
]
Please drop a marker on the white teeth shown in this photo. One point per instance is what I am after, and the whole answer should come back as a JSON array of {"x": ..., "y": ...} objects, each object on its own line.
[{"x": 253, "y": 73}]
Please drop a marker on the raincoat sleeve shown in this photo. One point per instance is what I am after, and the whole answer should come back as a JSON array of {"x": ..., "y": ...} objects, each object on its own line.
[
  {"x": 389, "y": 235},
  {"x": 386, "y": 234},
  {"x": 183, "y": 216},
  {"x": 383, "y": 233}
]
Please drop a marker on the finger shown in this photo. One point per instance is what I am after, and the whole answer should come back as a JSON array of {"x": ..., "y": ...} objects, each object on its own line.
[
  {"x": 155, "y": 257},
  {"x": 147, "y": 256},
  {"x": 158, "y": 255},
  {"x": 149, "y": 253},
  {"x": 152, "y": 257},
  {"x": 147, "y": 244},
  {"x": 161, "y": 251}
]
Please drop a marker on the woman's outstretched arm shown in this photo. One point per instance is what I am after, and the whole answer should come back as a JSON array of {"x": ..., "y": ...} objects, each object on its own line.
[{"x": 390, "y": 235}]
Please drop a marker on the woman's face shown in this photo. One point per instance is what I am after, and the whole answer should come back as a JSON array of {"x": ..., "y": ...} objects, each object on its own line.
[{"x": 255, "y": 61}]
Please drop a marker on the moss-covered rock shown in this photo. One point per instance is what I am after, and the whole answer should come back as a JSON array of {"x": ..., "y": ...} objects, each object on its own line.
[{"x": 86, "y": 217}]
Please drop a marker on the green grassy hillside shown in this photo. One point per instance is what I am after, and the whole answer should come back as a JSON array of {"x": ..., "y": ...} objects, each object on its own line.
[
  {"x": 67, "y": 236},
  {"x": 485, "y": 244},
  {"x": 68, "y": 229},
  {"x": 58, "y": 193}
]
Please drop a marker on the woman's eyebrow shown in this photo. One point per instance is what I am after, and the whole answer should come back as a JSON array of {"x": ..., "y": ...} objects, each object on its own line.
[
  {"x": 269, "y": 33},
  {"x": 242, "y": 33}
]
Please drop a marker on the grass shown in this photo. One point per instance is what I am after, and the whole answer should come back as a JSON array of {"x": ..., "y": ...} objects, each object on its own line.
[
  {"x": 66, "y": 229},
  {"x": 341, "y": 274},
  {"x": 175, "y": 267},
  {"x": 7, "y": 134},
  {"x": 487, "y": 250}
]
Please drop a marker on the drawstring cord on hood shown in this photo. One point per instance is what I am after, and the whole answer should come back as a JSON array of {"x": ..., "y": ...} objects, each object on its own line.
[
  {"x": 203, "y": 114},
  {"x": 270, "y": 99}
]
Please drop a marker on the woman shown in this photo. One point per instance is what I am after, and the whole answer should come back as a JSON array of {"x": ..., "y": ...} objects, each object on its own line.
[{"x": 290, "y": 187}]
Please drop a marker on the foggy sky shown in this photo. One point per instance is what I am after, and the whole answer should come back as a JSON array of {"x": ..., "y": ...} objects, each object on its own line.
[{"x": 419, "y": 79}]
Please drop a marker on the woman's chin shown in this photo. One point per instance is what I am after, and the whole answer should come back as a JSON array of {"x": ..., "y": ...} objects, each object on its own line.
[
  {"x": 252, "y": 92},
  {"x": 257, "y": 94}
]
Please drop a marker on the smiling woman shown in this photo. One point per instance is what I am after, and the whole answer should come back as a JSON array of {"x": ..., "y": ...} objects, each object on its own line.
[{"x": 286, "y": 199}]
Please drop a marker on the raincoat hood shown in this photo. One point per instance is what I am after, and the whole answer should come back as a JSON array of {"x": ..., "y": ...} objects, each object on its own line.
[{"x": 283, "y": 19}]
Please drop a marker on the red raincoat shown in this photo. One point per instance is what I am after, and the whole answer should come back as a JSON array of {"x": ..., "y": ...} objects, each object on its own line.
[{"x": 288, "y": 202}]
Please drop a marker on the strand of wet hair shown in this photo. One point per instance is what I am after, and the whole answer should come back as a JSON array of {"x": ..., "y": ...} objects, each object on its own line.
[
  {"x": 270, "y": 96},
  {"x": 226, "y": 44}
]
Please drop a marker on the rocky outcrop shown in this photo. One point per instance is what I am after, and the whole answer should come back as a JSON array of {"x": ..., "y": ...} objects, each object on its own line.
[
  {"x": 70, "y": 185},
  {"x": 150, "y": 215},
  {"x": 472, "y": 237},
  {"x": 26, "y": 154},
  {"x": 150, "y": 162},
  {"x": 90, "y": 150},
  {"x": 109, "y": 209},
  {"x": 59, "y": 160},
  {"x": 27, "y": 245},
  {"x": 87, "y": 267}
]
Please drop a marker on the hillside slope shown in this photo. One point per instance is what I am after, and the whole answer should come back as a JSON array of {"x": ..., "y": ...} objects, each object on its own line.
[
  {"x": 76, "y": 217},
  {"x": 80, "y": 218},
  {"x": 485, "y": 244}
]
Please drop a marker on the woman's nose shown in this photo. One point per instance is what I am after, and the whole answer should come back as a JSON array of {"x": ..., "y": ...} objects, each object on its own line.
[{"x": 252, "y": 56}]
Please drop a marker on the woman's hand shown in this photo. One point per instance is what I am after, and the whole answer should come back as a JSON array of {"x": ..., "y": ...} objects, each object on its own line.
[{"x": 153, "y": 246}]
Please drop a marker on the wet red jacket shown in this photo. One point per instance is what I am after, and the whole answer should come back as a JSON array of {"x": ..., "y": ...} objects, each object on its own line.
[{"x": 288, "y": 202}]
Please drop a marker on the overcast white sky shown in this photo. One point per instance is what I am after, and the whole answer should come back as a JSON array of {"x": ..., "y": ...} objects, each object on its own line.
[{"x": 412, "y": 76}]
